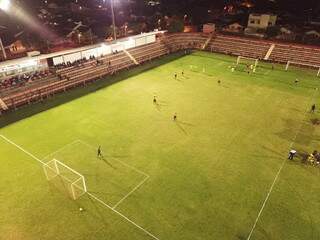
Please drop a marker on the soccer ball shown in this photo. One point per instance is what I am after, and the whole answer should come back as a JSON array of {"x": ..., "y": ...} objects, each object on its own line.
[{"x": 81, "y": 209}]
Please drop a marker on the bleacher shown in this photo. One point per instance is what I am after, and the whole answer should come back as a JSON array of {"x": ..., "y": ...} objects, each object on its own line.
[
  {"x": 296, "y": 53},
  {"x": 29, "y": 85},
  {"x": 180, "y": 41},
  {"x": 238, "y": 46},
  {"x": 148, "y": 52},
  {"x": 82, "y": 72}
]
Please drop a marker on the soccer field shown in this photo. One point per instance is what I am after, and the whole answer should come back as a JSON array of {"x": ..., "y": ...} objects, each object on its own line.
[{"x": 219, "y": 172}]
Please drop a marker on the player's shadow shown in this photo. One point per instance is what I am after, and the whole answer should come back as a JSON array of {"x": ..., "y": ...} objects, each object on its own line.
[
  {"x": 118, "y": 156},
  {"x": 106, "y": 161},
  {"x": 98, "y": 210},
  {"x": 185, "y": 123},
  {"x": 266, "y": 156},
  {"x": 273, "y": 152},
  {"x": 159, "y": 105},
  {"x": 223, "y": 85},
  {"x": 182, "y": 126},
  {"x": 302, "y": 156}
]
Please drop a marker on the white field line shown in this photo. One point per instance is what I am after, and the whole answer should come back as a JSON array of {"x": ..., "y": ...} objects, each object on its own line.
[
  {"x": 60, "y": 149},
  {"x": 23, "y": 150},
  {"x": 121, "y": 162},
  {"x": 280, "y": 169},
  {"x": 129, "y": 166},
  {"x": 267, "y": 72},
  {"x": 129, "y": 193},
  {"x": 90, "y": 194},
  {"x": 126, "y": 218}
]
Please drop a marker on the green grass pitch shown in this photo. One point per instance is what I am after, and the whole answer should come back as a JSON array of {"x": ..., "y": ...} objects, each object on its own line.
[{"x": 212, "y": 174}]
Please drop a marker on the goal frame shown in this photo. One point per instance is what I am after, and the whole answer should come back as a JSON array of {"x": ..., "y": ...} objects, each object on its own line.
[
  {"x": 256, "y": 60},
  {"x": 53, "y": 165},
  {"x": 303, "y": 64}
]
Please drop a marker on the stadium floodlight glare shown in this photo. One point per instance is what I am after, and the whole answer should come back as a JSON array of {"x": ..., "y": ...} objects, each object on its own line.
[
  {"x": 5, "y": 5},
  {"x": 113, "y": 21}
]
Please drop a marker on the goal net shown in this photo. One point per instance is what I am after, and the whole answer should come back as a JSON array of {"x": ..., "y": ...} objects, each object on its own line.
[
  {"x": 248, "y": 61},
  {"x": 72, "y": 180},
  {"x": 311, "y": 66}
]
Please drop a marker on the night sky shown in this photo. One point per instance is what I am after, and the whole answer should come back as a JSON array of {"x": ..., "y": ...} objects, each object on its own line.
[
  {"x": 182, "y": 5},
  {"x": 197, "y": 9}
]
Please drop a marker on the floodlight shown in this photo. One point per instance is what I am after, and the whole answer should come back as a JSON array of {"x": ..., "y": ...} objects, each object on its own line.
[{"x": 5, "y": 5}]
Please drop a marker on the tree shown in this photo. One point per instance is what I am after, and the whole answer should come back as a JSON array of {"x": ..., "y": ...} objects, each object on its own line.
[
  {"x": 110, "y": 31},
  {"x": 272, "y": 31},
  {"x": 175, "y": 25}
]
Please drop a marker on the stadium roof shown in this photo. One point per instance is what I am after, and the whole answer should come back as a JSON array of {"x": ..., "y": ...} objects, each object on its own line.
[{"x": 70, "y": 51}]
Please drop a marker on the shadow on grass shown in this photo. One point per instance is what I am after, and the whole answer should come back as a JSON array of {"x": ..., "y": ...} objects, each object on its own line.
[
  {"x": 178, "y": 79},
  {"x": 58, "y": 184},
  {"x": 118, "y": 156},
  {"x": 272, "y": 151},
  {"x": 62, "y": 98},
  {"x": 107, "y": 162},
  {"x": 182, "y": 126},
  {"x": 98, "y": 211},
  {"x": 159, "y": 105},
  {"x": 305, "y": 135}
]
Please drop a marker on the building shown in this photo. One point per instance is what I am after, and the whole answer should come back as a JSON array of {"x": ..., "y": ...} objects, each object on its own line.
[
  {"x": 258, "y": 24},
  {"x": 311, "y": 37},
  {"x": 261, "y": 21},
  {"x": 234, "y": 28},
  {"x": 209, "y": 28},
  {"x": 286, "y": 34}
]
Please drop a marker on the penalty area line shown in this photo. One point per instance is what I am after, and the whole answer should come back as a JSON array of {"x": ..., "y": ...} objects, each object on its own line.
[
  {"x": 22, "y": 149},
  {"x": 280, "y": 169},
  {"x": 61, "y": 149},
  {"x": 114, "y": 158},
  {"x": 123, "y": 216},
  {"x": 90, "y": 194},
  {"x": 129, "y": 193}
]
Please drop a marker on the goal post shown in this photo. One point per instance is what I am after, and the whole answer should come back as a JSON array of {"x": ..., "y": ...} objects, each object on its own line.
[
  {"x": 74, "y": 181},
  {"x": 255, "y": 61},
  {"x": 317, "y": 67}
]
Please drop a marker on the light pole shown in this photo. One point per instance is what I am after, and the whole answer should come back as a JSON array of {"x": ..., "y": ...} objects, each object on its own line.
[
  {"x": 113, "y": 21},
  {"x": 4, "y": 6},
  {"x": 3, "y": 50}
]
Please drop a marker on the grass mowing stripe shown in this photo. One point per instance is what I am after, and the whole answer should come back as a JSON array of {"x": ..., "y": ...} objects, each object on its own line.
[
  {"x": 121, "y": 162},
  {"x": 129, "y": 193},
  {"x": 280, "y": 169},
  {"x": 60, "y": 149},
  {"x": 119, "y": 213},
  {"x": 23, "y": 150},
  {"x": 94, "y": 197}
]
